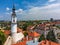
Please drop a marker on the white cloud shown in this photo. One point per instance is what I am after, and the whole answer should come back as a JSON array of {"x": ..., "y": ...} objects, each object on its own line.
[
  {"x": 1, "y": 16},
  {"x": 45, "y": 12},
  {"x": 7, "y": 13},
  {"x": 19, "y": 11},
  {"x": 51, "y": 6},
  {"x": 51, "y": 0},
  {"x": 37, "y": 13},
  {"x": 7, "y": 9}
]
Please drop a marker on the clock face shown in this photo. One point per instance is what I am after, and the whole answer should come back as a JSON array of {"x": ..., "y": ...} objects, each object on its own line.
[{"x": 58, "y": 35}]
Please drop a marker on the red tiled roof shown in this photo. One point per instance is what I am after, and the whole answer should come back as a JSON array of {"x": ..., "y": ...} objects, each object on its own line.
[
  {"x": 7, "y": 32},
  {"x": 20, "y": 43},
  {"x": 48, "y": 43},
  {"x": 57, "y": 22},
  {"x": 19, "y": 30},
  {"x": 43, "y": 25},
  {"x": 30, "y": 27},
  {"x": 34, "y": 34}
]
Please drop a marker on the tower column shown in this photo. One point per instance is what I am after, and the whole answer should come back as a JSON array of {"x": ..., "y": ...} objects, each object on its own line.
[{"x": 14, "y": 25}]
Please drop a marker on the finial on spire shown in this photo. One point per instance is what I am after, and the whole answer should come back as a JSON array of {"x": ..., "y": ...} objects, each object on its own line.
[
  {"x": 13, "y": 10},
  {"x": 13, "y": 5}
]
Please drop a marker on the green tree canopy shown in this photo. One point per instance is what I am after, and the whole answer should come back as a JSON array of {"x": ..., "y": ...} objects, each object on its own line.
[
  {"x": 51, "y": 36},
  {"x": 7, "y": 28},
  {"x": 24, "y": 27},
  {"x": 41, "y": 38},
  {"x": 25, "y": 34},
  {"x": 2, "y": 38}
]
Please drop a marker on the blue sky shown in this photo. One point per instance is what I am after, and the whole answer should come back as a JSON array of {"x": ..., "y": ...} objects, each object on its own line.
[{"x": 30, "y": 9}]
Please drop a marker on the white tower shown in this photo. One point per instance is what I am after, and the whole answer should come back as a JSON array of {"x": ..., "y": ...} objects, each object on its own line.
[
  {"x": 14, "y": 25},
  {"x": 15, "y": 37}
]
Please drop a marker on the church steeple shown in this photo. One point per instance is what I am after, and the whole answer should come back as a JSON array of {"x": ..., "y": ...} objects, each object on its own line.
[
  {"x": 14, "y": 34},
  {"x": 14, "y": 18},
  {"x": 13, "y": 10},
  {"x": 14, "y": 25}
]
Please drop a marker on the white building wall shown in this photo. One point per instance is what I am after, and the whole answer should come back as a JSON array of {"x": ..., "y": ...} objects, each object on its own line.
[
  {"x": 14, "y": 19},
  {"x": 14, "y": 32},
  {"x": 56, "y": 32},
  {"x": 14, "y": 28},
  {"x": 17, "y": 37},
  {"x": 8, "y": 41},
  {"x": 36, "y": 39}
]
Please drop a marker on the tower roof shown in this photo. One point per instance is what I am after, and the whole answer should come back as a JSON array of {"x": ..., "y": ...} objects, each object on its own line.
[
  {"x": 13, "y": 10},
  {"x": 13, "y": 7}
]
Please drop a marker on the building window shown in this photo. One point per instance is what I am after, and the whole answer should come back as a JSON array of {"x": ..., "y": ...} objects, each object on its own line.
[{"x": 13, "y": 20}]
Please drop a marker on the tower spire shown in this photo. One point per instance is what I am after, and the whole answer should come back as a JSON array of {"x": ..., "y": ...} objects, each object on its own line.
[
  {"x": 14, "y": 25},
  {"x": 14, "y": 18},
  {"x": 13, "y": 9}
]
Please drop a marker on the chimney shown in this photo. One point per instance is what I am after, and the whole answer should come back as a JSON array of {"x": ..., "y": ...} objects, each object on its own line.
[
  {"x": 33, "y": 40},
  {"x": 27, "y": 37},
  {"x": 49, "y": 42}
]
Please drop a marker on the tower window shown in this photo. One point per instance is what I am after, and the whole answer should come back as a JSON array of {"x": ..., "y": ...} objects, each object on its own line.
[{"x": 13, "y": 20}]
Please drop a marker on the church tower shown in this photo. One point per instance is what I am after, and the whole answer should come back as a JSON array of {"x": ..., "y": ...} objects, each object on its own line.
[
  {"x": 13, "y": 21},
  {"x": 14, "y": 25},
  {"x": 15, "y": 37}
]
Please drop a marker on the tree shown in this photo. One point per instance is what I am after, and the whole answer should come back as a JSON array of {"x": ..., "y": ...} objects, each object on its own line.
[
  {"x": 7, "y": 28},
  {"x": 1, "y": 42},
  {"x": 24, "y": 27},
  {"x": 2, "y": 38},
  {"x": 25, "y": 34},
  {"x": 41, "y": 38},
  {"x": 51, "y": 36}
]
